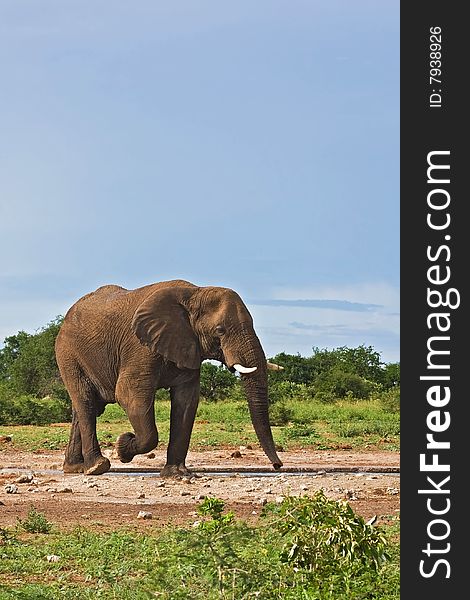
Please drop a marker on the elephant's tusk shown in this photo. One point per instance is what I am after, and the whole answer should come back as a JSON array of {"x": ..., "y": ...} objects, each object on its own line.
[
  {"x": 273, "y": 367},
  {"x": 242, "y": 369}
]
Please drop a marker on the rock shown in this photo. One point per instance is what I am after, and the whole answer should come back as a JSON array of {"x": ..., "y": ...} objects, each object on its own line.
[
  {"x": 279, "y": 499},
  {"x": 26, "y": 478},
  {"x": 5, "y": 438},
  {"x": 196, "y": 523},
  {"x": 11, "y": 488},
  {"x": 268, "y": 491},
  {"x": 65, "y": 490},
  {"x": 160, "y": 484},
  {"x": 236, "y": 454},
  {"x": 2, "y": 503},
  {"x": 185, "y": 493},
  {"x": 140, "y": 496},
  {"x": 52, "y": 558},
  {"x": 151, "y": 455},
  {"x": 200, "y": 497},
  {"x": 143, "y": 514},
  {"x": 392, "y": 491},
  {"x": 263, "y": 501}
]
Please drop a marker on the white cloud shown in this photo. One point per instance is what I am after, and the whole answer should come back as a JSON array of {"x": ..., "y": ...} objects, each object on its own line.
[{"x": 295, "y": 329}]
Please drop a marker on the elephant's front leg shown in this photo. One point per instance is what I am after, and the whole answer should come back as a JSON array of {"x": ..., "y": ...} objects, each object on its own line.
[
  {"x": 140, "y": 410},
  {"x": 184, "y": 402}
]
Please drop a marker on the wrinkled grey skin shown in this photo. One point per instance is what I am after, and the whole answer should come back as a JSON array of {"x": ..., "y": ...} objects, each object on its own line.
[{"x": 119, "y": 345}]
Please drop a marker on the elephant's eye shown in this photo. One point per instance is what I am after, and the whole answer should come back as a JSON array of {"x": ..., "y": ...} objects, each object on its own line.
[{"x": 220, "y": 330}]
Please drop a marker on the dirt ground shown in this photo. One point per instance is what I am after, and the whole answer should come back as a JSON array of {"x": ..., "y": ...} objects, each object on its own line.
[{"x": 115, "y": 499}]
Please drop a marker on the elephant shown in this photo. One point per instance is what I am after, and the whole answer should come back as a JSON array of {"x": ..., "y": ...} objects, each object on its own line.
[{"x": 119, "y": 345}]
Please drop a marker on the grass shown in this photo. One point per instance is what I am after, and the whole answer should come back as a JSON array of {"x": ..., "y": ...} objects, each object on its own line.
[
  {"x": 355, "y": 424},
  {"x": 220, "y": 558}
]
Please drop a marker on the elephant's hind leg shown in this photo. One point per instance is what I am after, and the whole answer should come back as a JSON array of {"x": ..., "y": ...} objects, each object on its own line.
[
  {"x": 74, "y": 462},
  {"x": 83, "y": 453}
]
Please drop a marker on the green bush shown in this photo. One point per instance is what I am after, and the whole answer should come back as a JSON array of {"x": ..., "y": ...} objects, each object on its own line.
[
  {"x": 325, "y": 397},
  {"x": 35, "y": 522},
  {"x": 29, "y": 410},
  {"x": 325, "y": 538},
  {"x": 302, "y": 431},
  {"x": 344, "y": 384},
  {"x": 289, "y": 390},
  {"x": 390, "y": 399},
  {"x": 280, "y": 414},
  {"x": 216, "y": 381}
]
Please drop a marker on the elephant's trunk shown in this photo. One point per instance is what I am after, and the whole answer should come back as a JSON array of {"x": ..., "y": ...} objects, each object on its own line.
[
  {"x": 243, "y": 352},
  {"x": 256, "y": 393},
  {"x": 248, "y": 352}
]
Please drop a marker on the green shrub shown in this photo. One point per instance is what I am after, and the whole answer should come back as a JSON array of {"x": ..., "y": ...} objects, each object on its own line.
[
  {"x": 35, "y": 522},
  {"x": 162, "y": 395},
  {"x": 344, "y": 384},
  {"x": 390, "y": 399},
  {"x": 325, "y": 397},
  {"x": 325, "y": 537},
  {"x": 289, "y": 390},
  {"x": 216, "y": 381},
  {"x": 280, "y": 414},
  {"x": 29, "y": 410}
]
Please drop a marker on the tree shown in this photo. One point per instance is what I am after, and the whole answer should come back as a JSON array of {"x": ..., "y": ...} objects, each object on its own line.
[
  {"x": 297, "y": 368},
  {"x": 392, "y": 375},
  {"x": 10, "y": 352},
  {"x": 28, "y": 364},
  {"x": 216, "y": 381}
]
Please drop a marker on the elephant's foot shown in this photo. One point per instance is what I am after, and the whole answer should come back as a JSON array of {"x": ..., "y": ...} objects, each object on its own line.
[
  {"x": 125, "y": 447},
  {"x": 100, "y": 466},
  {"x": 73, "y": 467},
  {"x": 176, "y": 472}
]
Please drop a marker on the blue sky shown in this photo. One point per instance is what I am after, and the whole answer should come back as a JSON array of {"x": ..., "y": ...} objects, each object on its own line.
[{"x": 252, "y": 145}]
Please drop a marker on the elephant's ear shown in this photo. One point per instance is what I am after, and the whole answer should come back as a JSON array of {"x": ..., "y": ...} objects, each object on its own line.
[{"x": 162, "y": 323}]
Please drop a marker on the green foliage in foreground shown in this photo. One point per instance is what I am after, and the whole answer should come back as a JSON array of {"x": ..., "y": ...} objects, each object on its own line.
[{"x": 304, "y": 549}]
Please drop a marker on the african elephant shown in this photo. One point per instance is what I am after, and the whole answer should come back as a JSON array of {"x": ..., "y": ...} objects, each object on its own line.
[{"x": 119, "y": 345}]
